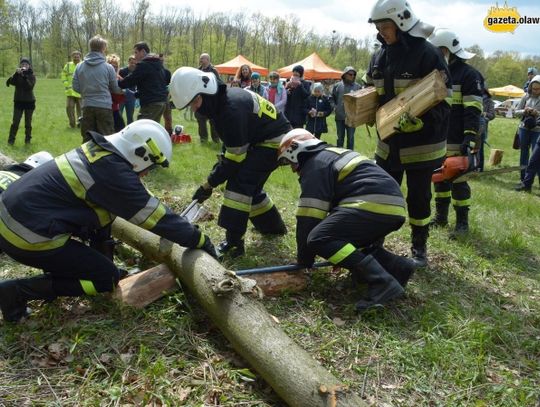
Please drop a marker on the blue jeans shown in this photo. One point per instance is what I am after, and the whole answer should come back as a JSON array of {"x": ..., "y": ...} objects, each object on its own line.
[
  {"x": 129, "y": 107},
  {"x": 534, "y": 166},
  {"x": 527, "y": 141},
  {"x": 341, "y": 127}
]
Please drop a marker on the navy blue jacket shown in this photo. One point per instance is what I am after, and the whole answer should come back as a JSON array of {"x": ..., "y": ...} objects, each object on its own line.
[{"x": 151, "y": 80}]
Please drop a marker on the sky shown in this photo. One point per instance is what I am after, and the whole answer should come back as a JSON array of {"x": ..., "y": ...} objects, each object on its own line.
[{"x": 350, "y": 17}]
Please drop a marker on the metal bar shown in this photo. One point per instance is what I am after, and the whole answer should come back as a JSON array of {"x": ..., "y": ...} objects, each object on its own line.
[
  {"x": 275, "y": 269},
  {"x": 191, "y": 205}
]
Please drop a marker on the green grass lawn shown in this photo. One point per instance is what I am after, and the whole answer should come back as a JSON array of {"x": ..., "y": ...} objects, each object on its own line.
[{"x": 468, "y": 333}]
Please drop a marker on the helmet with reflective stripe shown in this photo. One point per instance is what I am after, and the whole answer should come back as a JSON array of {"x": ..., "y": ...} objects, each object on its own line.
[
  {"x": 400, "y": 12},
  {"x": 187, "y": 83},
  {"x": 143, "y": 143},
  {"x": 35, "y": 160},
  {"x": 295, "y": 142},
  {"x": 443, "y": 37}
]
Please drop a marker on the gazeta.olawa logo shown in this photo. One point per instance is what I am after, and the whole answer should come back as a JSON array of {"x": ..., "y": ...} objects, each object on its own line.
[{"x": 506, "y": 19}]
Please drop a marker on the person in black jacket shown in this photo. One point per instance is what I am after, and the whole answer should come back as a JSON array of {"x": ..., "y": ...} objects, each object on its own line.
[
  {"x": 318, "y": 108},
  {"x": 298, "y": 90},
  {"x": 419, "y": 147},
  {"x": 347, "y": 206},
  {"x": 24, "y": 100},
  {"x": 251, "y": 129},
  {"x": 151, "y": 80},
  {"x": 79, "y": 194}
]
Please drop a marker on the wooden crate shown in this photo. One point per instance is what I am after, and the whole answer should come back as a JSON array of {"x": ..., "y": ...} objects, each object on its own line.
[
  {"x": 416, "y": 100},
  {"x": 361, "y": 106}
]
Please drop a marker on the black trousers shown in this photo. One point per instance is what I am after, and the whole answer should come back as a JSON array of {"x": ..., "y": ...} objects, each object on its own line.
[
  {"x": 458, "y": 192},
  {"x": 17, "y": 116},
  {"x": 342, "y": 235}
]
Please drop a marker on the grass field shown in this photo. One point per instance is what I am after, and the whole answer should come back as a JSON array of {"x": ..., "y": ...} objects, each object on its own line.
[{"x": 468, "y": 333}]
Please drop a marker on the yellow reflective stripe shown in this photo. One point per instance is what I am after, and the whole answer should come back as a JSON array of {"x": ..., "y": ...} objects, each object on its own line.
[
  {"x": 261, "y": 208},
  {"x": 268, "y": 144},
  {"x": 337, "y": 150},
  {"x": 70, "y": 176},
  {"x": 376, "y": 208},
  {"x": 157, "y": 155},
  {"x": 419, "y": 222},
  {"x": 244, "y": 207},
  {"x": 422, "y": 153},
  {"x": 446, "y": 194},
  {"x": 475, "y": 104},
  {"x": 311, "y": 212},
  {"x": 6, "y": 179},
  {"x": 154, "y": 217},
  {"x": 202, "y": 239},
  {"x": 88, "y": 287},
  {"x": 342, "y": 254},
  {"x": 104, "y": 216},
  {"x": 314, "y": 203},
  {"x": 19, "y": 242},
  {"x": 235, "y": 157},
  {"x": 460, "y": 203},
  {"x": 457, "y": 97},
  {"x": 383, "y": 149},
  {"x": 93, "y": 151},
  {"x": 350, "y": 166}
]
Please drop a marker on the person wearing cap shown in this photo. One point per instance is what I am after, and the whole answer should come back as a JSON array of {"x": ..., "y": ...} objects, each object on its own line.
[
  {"x": 24, "y": 101},
  {"x": 256, "y": 85},
  {"x": 73, "y": 99},
  {"x": 419, "y": 145},
  {"x": 464, "y": 137},
  {"x": 531, "y": 73},
  {"x": 346, "y": 85},
  {"x": 318, "y": 109},
  {"x": 298, "y": 90},
  {"x": 47, "y": 214},
  {"x": 277, "y": 94}
]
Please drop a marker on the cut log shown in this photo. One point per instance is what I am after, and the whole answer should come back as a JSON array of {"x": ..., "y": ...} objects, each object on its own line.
[
  {"x": 293, "y": 374},
  {"x": 495, "y": 157},
  {"x": 361, "y": 106},
  {"x": 415, "y": 100},
  {"x": 274, "y": 284}
]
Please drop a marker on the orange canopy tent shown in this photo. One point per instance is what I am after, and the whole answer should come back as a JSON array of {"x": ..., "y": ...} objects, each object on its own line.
[
  {"x": 314, "y": 69},
  {"x": 230, "y": 67}
]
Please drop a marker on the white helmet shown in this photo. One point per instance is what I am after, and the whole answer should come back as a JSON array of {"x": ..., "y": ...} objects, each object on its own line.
[
  {"x": 443, "y": 37},
  {"x": 295, "y": 142},
  {"x": 400, "y": 12},
  {"x": 187, "y": 83},
  {"x": 35, "y": 160},
  {"x": 143, "y": 143}
]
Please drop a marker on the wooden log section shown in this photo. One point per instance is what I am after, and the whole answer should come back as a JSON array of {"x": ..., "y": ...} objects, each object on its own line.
[
  {"x": 495, "y": 157},
  {"x": 361, "y": 106},
  {"x": 293, "y": 374}
]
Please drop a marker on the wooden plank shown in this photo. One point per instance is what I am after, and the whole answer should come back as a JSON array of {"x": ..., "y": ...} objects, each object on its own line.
[
  {"x": 416, "y": 100},
  {"x": 361, "y": 106},
  {"x": 495, "y": 157}
]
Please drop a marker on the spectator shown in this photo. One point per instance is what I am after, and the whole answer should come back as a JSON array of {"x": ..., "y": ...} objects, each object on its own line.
[
  {"x": 529, "y": 130},
  {"x": 129, "y": 93},
  {"x": 167, "y": 113},
  {"x": 256, "y": 85},
  {"x": 533, "y": 168},
  {"x": 298, "y": 90},
  {"x": 151, "y": 80},
  {"x": 206, "y": 66},
  {"x": 531, "y": 73},
  {"x": 488, "y": 114},
  {"x": 73, "y": 99},
  {"x": 119, "y": 124},
  {"x": 96, "y": 80},
  {"x": 276, "y": 92},
  {"x": 319, "y": 108},
  {"x": 24, "y": 100},
  {"x": 346, "y": 85},
  {"x": 243, "y": 76}
]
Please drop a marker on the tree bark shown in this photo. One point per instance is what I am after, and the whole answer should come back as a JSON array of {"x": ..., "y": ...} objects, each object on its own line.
[{"x": 298, "y": 379}]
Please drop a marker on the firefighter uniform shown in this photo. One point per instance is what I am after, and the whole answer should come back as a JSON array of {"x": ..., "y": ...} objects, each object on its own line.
[
  {"x": 251, "y": 129},
  {"x": 393, "y": 69},
  {"x": 465, "y": 115},
  {"x": 11, "y": 174},
  {"x": 75, "y": 195}
]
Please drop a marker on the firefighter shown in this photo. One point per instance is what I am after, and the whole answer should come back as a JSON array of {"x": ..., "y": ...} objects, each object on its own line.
[
  {"x": 347, "y": 206},
  {"x": 251, "y": 129},
  {"x": 419, "y": 146},
  {"x": 463, "y": 136},
  {"x": 75, "y": 194},
  {"x": 13, "y": 172}
]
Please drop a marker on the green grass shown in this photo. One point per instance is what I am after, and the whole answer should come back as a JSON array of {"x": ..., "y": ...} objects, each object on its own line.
[{"x": 468, "y": 333}]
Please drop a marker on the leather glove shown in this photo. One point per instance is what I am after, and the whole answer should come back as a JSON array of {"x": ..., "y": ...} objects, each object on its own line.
[
  {"x": 409, "y": 124},
  {"x": 467, "y": 144},
  {"x": 202, "y": 194},
  {"x": 208, "y": 247}
]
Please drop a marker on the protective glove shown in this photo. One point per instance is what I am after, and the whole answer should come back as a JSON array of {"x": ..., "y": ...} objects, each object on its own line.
[
  {"x": 202, "y": 194},
  {"x": 468, "y": 144},
  {"x": 208, "y": 247},
  {"x": 409, "y": 124}
]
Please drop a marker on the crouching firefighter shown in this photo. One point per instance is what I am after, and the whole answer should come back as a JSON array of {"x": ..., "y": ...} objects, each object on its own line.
[
  {"x": 251, "y": 129},
  {"x": 74, "y": 195},
  {"x": 347, "y": 206},
  {"x": 13, "y": 172}
]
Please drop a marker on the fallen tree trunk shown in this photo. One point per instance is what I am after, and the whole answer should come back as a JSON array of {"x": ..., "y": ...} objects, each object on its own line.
[{"x": 291, "y": 371}]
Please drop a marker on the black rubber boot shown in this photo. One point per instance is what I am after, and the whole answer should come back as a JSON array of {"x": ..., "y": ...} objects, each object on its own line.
[
  {"x": 441, "y": 214},
  {"x": 400, "y": 267},
  {"x": 14, "y": 295},
  {"x": 232, "y": 246},
  {"x": 382, "y": 287},
  {"x": 419, "y": 236},
  {"x": 462, "y": 221}
]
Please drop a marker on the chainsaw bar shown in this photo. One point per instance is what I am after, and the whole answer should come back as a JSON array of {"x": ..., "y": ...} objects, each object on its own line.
[{"x": 477, "y": 174}]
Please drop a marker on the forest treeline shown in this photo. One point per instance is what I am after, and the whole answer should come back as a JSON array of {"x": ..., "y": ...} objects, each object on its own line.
[{"x": 48, "y": 32}]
